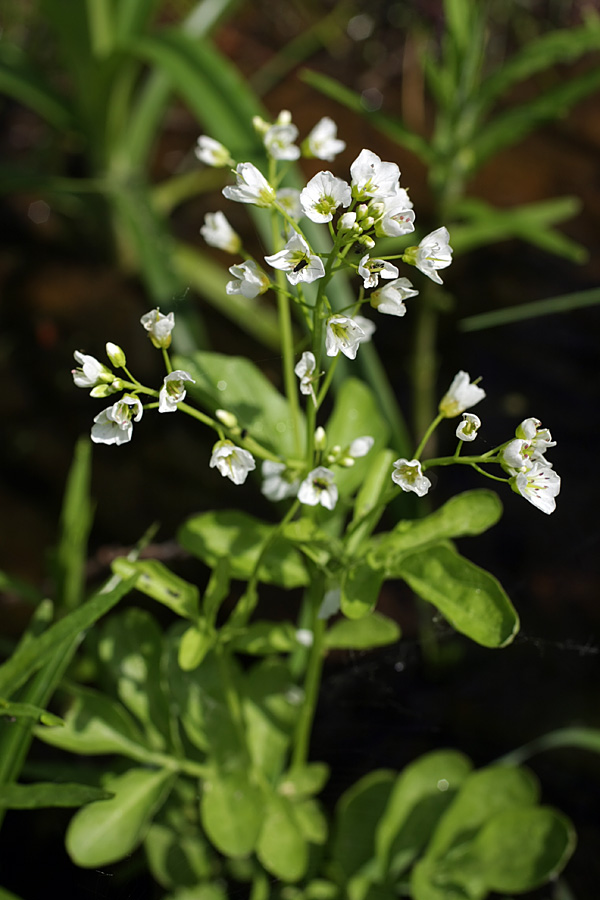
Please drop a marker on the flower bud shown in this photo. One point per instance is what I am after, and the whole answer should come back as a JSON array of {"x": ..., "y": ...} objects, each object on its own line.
[
  {"x": 346, "y": 461},
  {"x": 320, "y": 438},
  {"x": 362, "y": 210},
  {"x": 116, "y": 355},
  {"x": 226, "y": 418},
  {"x": 104, "y": 390},
  {"x": 366, "y": 241}
]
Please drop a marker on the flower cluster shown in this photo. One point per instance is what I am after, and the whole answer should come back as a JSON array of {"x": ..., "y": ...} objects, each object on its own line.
[{"x": 531, "y": 474}]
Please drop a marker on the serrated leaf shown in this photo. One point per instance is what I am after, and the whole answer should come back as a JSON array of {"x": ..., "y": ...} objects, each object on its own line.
[
  {"x": 471, "y": 599},
  {"x": 231, "y": 810},
  {"x": 153, "y": 578},
  {"x": 108, "y": 830},
  {"x": 241, "y": 538},
  {"x": 48, "y": 794}
]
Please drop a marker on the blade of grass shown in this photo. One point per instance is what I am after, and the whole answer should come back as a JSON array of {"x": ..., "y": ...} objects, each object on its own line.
[
  {"x": 75, "y": 524},
  {"x": 563, "y": 303}
]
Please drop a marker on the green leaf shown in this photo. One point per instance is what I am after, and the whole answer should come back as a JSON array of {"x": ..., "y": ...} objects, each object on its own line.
[
  {"x": 241, "y": 538},
  {"x": 360, "y": 586},
  {"x": 130, "y": 645},
  {"x": 471, "y": 599},
  {"x": 282, "y": 848},
  {"x": 261, "y": 638},
  {"x": 217, "y": 590},
  {"x": 232, "y": 810},
  {"x": 422, "y": 792},
  {"x": 75, "y": 524},
  {"x": 311, "y": 821},
  {"x": 28, "y": 711},
  {"x": 469, "y": 513},
  {"x": 21, "y": 588},
  {"x": 524, "y": 311},
  {"x": 175, "y": 858},
  {"x": 269, "y": 715},
  {"x": 7, "y": 895},
  {"x": 234, "y": 383},
  {"x": 356, "y": 413},
  {"x": 109, "y": 830},
  {"x": 391, "y": 126},
  {"x": 30, "y": 86},
  {"x": 520, "y": 849},
  {"x": 42, "y": 795},
  {"x": 305, "y": 781},
  {"x": 582, "y": 738},
  {"x": 32, "y": 655},
  {"x": 132, "y": 16},
  {"x": 94, "y": 725},
  {"x": 373, "y": 630},
  {"x": 199, "y": 892},
  {"x": 357, "y": 816},
  {"x": 196, "y": 642},
  {"x": 153, "y": 578}
]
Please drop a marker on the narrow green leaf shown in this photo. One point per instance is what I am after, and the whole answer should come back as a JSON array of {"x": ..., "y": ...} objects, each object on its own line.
[
  {"x": 132, "y": 16},
  {"x": 232, "y": 811},
  {"x": 471, "y": 599},
  {"x": 217, "y": 590},
  {"x": 580, "y": 738},
  {"x": 75, "y": 524},
  {"x": 42, "y": 795},
  {"x": 282, "y": 848},
  {"x": 370, "y": 631},
  {"x": 28, "y": 711},
  {"x": 108, "y": 830},
  {"x": 20, "y": 588},
  {"x": 35, "y": 652},
  {"x": 524, "y": 311},
  {"x": 241, "y": 538},
  {"x": 152, "y": 578},
  {"x": 30, "y": 86},
  {"x": 7, "y": 895}
]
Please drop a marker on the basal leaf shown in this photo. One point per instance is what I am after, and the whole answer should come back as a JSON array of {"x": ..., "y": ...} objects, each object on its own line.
[
  {"x": 232, "y": 811},
  {"x": 282, "y": 848}
]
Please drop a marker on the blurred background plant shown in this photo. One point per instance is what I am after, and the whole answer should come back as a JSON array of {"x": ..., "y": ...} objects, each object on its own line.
[{"x": 104, "y": 199}]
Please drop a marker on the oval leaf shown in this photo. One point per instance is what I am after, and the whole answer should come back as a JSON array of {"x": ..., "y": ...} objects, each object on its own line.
[
  {"x": 362, "y": 634},
  {"x": 282, "y": 847},
  {"x": 232, "y": 810}
]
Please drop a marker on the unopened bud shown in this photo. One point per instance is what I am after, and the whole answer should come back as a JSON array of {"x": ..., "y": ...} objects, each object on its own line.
[
  {"x": 347, "y": 462},
  {"x": 226, "y": 418},
  {"x": 362, "y": 210},
  {"x": 320, "y": 438},
  {"x": 116, "y": 355},
  {"x": 366, "y": 241}
]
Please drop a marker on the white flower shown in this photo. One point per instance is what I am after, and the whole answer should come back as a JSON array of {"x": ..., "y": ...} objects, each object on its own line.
[
  {"x": 90, "y": 371},
  {"x": 231, "y": 461},
  {"x": 250, "y": 280},
  {"x": 212, "y": 153},
  {"x": 390, "y": 298},
  {"x": 409, "y": 476},
  {"x": 467, "y": 429},
  {"x": 115, "y": 424},
  {"x": 368, "y": 328},
  {"x": 278, "y": 481},
  {"x": 322, "y": 196},
  {"x": 433, "y": 253},
  {"x": 279, "y": 139},
  {"x": 397, "y": 217},
  {"x": 297, "y": 261},
  {"x": 461, "y": 395},
  {"x": 371, "y": 269},
  {"x": 539, "y": 438},
  {"x": 159, "y": 327},
  {"x": 251, "y": 187},
  {"x": 319, "y": 488},
  {"x": 289, "y": 199},
  {"x": 360, "y": 446},
  {"x": 217, "y": 232},
  {"x": 322, "y": 142},
  {"x": 173, "y": 392},
  {"x": 347, "y": 222},
  {"x": 304, "y": 370},
  {"x": 372, "y": 178},
  {"x": 343, "y": 333},
  {"x": 540, "y": 485}
]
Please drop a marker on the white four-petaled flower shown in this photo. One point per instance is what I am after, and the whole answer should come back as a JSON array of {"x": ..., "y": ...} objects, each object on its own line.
[
  {"x": 343, "y": 333},
  {"x": 372, "y": 178},
  {"x": 323, "y": 195},
  {"x": 318, "y": 488},
  {"x": 173, "y": 391},
  {"x": 539, "y": 484},
  {"x": 467, "y": 429},
  {"x": 279, "y": 138},
  {"x": 360, "y": 446},
  {"x": 279, "y": 482},
  {"x": 212, "y": 153},
  {"x": 409, "y": 476},
  {"x": 217, "y": 232},
  {"x": 304, "y": 369},
  {"x": 115, "y": 424},
  {"x": 371, "y": 270},
  {"x": 297, "y": 261},
  {"x": 231, "y": 461},
  {"x": 251, "y": 187},
  {"x": 322, "y": 142},
  {"x": 461, "y": 395},
  {"x": 433, "y": 252},
  {"x": 389, "y": 298},
  {"x": 90, "y": 371},
  {"x": 249, "y": 280},
  {"x": 159, "y": 327}
]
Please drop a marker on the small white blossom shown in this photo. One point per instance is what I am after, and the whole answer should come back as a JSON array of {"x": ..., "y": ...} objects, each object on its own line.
[
  {"x": 322, "y": 142},
  {"x": 212, "y": 153},
  {"x": 396, "y": 216},
  {"x": 173, "y": 391},
  {"x": 217, "y": 232},
  {"x": 434, "y": 252},
  {"x": 297, "y": 261},
  {"x": 305, "y": 637},
  {"x": 159, "y": 327},
  {"x": 540, "y": 438},
  {"x": 115, "y": 424},
  {"x": 90, "y": 372},
  {"x": 322, "y": 196},
  {"x": 251, "y": 187},
  {"x": 461, "y": 395},
  {"x": 372, "y": 178},
  {"x": 390, "y": 298},
  {"x": 279, "y": 142},
  {"x": 279, "y": 482},
  {"x": 231, "y": 461},
  {"x": 467, "y": 429},
  {"x": 371, "y": 269},
  {"x": 289, "y": 199},
  {"x": 343, "y": 333},
  {"x": 360, "y": 446},
  {"x": 409, "y": 476},
  {"x": 368, "y": 328},
  {"x": 319, "y": 488},
  {"x": 347, "y": 222},
  {"x": 305, "y": 371},
  {"x": 250, "y": 280},
  {"x": 539, "y": 485}
]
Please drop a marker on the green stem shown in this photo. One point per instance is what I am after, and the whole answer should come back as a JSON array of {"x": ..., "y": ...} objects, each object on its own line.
[
  {"x": 428, "y": 432},
  {"x": 168, "y": 365},
  {"x": 311, "y": 691}
]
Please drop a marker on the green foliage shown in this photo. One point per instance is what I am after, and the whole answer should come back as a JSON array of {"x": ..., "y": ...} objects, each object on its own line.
[{"x": 41, "y": 794}]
